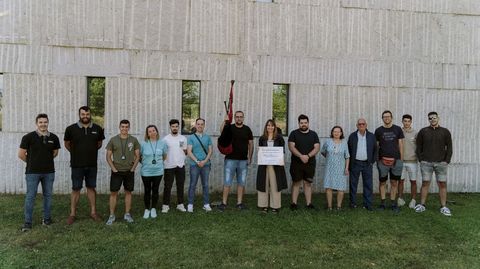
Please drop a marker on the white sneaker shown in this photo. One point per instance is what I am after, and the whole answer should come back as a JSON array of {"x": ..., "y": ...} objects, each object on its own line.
[
  {"x": 181, "y": 208},
  {"x": 207, "y": 208},
  {"x": 110, "y": 220},
  {"x": 419, "y": 208},
  {"x": 146, "y": 214},
  {"x": 400, "y": 202},
  {"x": 445, "y": 211},
  {"x": 128, "y": 218},
  {"x": 412, "y": 204},
  {"x": 165, "y": 208},
  {"x": 153, "y": 213},
  {"x": 190, "y": 208}
]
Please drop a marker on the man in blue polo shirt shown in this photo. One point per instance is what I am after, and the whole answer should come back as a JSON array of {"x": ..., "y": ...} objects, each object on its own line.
[
  {"x": 83, "y": 139},
  {"x": 38, "y": 149},
  {"x": 199, "y": 150}
]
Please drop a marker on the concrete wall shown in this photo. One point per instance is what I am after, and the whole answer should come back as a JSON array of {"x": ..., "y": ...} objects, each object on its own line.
[{"x": 342, "y": 58}]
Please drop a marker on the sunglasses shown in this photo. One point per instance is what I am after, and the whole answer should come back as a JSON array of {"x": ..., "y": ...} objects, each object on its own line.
[
  {"x": 432, "y": 118},
  {"x": 361, "y": 124}
]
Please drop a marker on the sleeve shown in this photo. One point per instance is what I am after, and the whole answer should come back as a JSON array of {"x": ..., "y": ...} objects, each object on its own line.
[
  {"x": 316, "y": 140},
  {"x": 250, "y": 134},
  {"x": 400, "y": 133},
  {"x": 209, "y": 141},
  {"x": 136, "y": 144},
  {"x": 377, "y": 134},
  {"x": 345, "y": 148},
  {"x": 25, "y": 143},
  {"x": 68, "y": 134},
  {"x": 101, "y": 134},
  {"x": 189, "y": 140},
  {"x": 109, "y": 145},
  {"x": 324, "y": 148},
  {"x": 184, "y": 143},
  {"x": 165, "y": 148},
  {"x": 56, "y": 143},
  {"x": 448, "y": 144},
  {"x": 291, "y": 137}
]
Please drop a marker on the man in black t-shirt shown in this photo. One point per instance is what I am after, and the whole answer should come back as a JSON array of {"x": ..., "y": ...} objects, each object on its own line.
[
  {"x": 236, "y": 163},
  {"x": 38, "y": 149},
  {"x": 83, "y": 139},
  {"x": 304, "y": 145},
  {"x": 390, "y": 152}
]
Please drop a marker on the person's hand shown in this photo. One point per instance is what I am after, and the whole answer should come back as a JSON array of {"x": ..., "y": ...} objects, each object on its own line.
[
  {"x": 226, "y": 118},
  {"x": 346, "y": 171},
  {"x": 201, "y": 163},
  {"x": 304, "y": 158},
  {"x": 249, "y": 161}
]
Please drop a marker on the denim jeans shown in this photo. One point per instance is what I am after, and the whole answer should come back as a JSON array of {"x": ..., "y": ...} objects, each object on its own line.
[
  {"x": 32, "y": 187},
  {"x": 235, "y": 167},
  {"x": 195, "y": 172}
]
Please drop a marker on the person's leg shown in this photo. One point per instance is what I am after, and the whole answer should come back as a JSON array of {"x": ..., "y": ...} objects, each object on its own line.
[
  {"x": 204, "y": 174},
  {"x": 329, "y": 195},
  {"x": 113, "y": 202},
  {"x": 128, "y": 185},
  {"x": 32, "y": 181},
  {"x": 74, "y": 197},
  {"x": 401, "y": 186},
  {"x": 426, "y": 169},
  {"x": 194, "y": 174},
  {"x": 263, "y": 195},
  {"x": 442, "y": 192},
  {"x": 307, "y": 189},
  {"x": 180, "y": 182},
  {"x": 116, "y": 180},
  {"x": 167, "y": 189},
  {"x": 413, "y": 189},
  {"x": 275, "y": 195},
  {"x": 91, "y": 184},
  {"x": 77, "y": 182},
  {"x": 441, "y": 176},
  {"x": 383, "y": 177},
  {"x": 147, "y": 186},
  {"x": 155, "y": 188},
  {"x": 128, "y": 201},
  {"x": 353, "y": 180},
  {"x": 47, "y": 190},
  {"x": 367, "y": 179},
  {"x": 395, "y": 176},
  {"x": 229, "y": 170},
  {"x": 295, "y": 191},
  {"x": 339, "y": 198},
  {"x": 242, "y": 170}
]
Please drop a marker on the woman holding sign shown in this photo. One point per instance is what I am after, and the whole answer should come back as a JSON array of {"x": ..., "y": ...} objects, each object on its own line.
[{"x": 271, "y": 179}]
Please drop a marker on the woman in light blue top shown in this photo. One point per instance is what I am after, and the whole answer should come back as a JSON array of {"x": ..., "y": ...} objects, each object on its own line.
[
  {"x": 153, "y": 152},
  {"x": 335, "y": 150}
]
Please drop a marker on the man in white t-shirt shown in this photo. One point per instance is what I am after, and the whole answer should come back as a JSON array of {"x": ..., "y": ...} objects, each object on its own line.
[{"x": 174, "y": 165}]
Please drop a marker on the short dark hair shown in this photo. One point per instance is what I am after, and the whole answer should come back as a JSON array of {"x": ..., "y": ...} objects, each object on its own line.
[
  {"x": 124, "y": 121},
  {"x": 84, "y": 108},
  {"x": 239, "y": 111},
  {"x": 387, "y": 111},
  {"x": 432, "y": 113},
  {"x": 41, "y": 116},
  {"x": 341, "y": 130},
  {"x": 407, "y": 116},
  {"x": 173, "y": 121},
  {"x": 302, "y": 117},
  {"x": 199, "y": 119}
]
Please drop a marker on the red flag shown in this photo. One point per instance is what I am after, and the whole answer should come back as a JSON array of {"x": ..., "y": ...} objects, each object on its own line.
[{"x": 230, "y": 102}]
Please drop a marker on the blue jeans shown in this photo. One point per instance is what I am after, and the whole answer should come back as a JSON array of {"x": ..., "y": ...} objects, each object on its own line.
[
  {"x": 364, "y": 168},
  {"x": 238, "y": 167},
  {"x": 32, "y": 187},
  {"x": 195, "y": 172}
]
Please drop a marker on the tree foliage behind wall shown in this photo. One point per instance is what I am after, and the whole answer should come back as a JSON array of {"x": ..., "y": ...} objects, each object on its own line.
[{"x": 96, "y": 99}]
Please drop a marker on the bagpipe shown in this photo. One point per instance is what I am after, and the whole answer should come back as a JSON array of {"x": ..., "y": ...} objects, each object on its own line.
[{"x": 224, "y": 143}]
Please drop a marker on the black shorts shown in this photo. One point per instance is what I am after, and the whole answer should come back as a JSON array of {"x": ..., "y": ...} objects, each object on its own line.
[
  {"x": 126, "y": 178},
  {"x": 302, "y": 171},
  {"x": 89, "y": 174}
]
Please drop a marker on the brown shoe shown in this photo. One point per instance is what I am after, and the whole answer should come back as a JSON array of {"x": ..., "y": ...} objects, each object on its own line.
[
  {"x": 70, "y": 220},
  {"x": 95, "y": 217}
]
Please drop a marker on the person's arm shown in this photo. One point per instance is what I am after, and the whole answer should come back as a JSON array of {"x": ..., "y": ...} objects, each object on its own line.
[
  {"x": 324, "y": 150},
  {"x": 295, "y": 152},
  {"x": 448, "y": 144},
  {"x": 99, "y": 144},
  {"x": 110, "y": 161},
  {"x": 22, "y": 154},
  {"x": 419, "y": 149},
  {"x": 55, "y": 153},
  {"x": 67, "y": 144},
  {"x": 314, "y": 151},
  {"x": 400, "y": 146},
  {"x": 225, "y": 120},
  {"x": 191, "y": 155},
  {"x": 347, "y": 164},
  {"x": 137, "y": 159},
  {"x": 250, "y": 151}
]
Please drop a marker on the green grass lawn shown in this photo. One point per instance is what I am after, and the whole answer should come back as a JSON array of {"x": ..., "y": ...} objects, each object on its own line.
[{"x": 247, "y": 239}]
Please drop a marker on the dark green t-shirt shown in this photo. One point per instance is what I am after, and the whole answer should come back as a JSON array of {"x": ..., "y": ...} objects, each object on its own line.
[{"x": 123, "y": 147}]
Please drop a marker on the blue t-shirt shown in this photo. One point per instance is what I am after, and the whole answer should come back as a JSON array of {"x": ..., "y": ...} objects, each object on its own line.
[
  {"x": 151, "y": 151},
  {"x": 197, "y": 149}
]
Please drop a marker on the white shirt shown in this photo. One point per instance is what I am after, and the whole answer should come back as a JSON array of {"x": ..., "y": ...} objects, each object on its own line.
[
  {"x": 361, "y": 147},
  {"x": 175, "y": 152}
]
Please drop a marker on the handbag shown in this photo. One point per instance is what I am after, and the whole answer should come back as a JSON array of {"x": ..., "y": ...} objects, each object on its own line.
[{"x": 388, "y": 161}]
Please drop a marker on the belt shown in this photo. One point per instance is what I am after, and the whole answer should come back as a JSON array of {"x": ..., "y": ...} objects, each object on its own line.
[{"x": 366, "y": 161}]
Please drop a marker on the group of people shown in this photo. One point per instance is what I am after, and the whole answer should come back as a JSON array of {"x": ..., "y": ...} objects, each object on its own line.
[{"x": 396, "y": 151}]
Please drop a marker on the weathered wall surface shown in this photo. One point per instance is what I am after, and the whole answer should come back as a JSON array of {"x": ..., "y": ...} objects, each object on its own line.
[{"x": 342, "y": 58}]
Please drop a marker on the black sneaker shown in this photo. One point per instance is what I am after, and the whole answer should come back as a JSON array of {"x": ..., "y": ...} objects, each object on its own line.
[
  {"x": 310, "y": 206},
  {"x": 46, "y": 222},
  {"x": 241, "y": 206},
  {"x": 26, "y": 227},
  {"x": 274, "y": 210},
  {"x": 395, "y": 209},
  {"x": 222, "y": 207},
  {"x": 381, "y": 207},
  {"x": 353, "y": 206},
  {"x": 293, "y": 206}
]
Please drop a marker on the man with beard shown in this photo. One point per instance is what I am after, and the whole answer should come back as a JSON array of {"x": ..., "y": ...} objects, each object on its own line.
[
  {"x": 83, "y": 139},
  {"x": 236, "y": 163},
  {"x": 304, "y": 145},
  {"x": 434, "y": 151},
  {"x": 174, "y": 166}
]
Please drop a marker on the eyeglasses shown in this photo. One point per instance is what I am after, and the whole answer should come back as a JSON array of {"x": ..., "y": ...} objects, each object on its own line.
[
  {"x": 432, "y": 118},
  {"x": 361, "y": 124}
]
